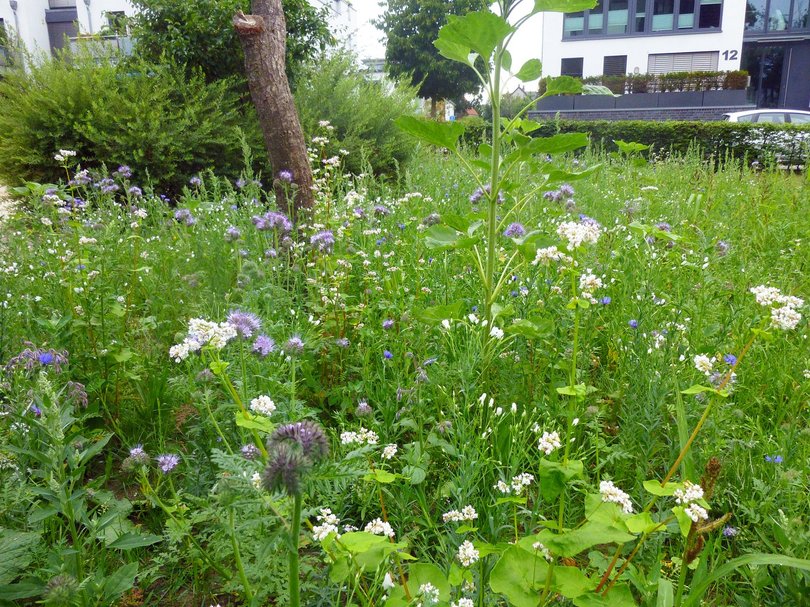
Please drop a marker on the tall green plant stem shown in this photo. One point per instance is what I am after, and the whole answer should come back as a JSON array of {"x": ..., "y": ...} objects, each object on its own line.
[
  {"x": 238, "y": 558},
  {"x": 295, "y": 533},
  {"x": 492, "y": 219}
]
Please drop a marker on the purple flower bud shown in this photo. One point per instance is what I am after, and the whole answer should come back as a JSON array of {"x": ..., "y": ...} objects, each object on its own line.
[
  {"x": 387, "y": 354},
  {"x": 633, "y": 324}
]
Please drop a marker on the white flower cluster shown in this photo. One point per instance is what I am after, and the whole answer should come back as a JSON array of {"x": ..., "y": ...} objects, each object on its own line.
[
  {"x": 703, "y": 364},
  {"x": 784, "y": 314},
  {"x": 429, "y": 594},
  {"x": 467, "y": 513},
  {"x": 689, "y": 496},
  {"x": 200, "y": 333},
  {"x": 548, "y": 254},
  {"x": 361, "y": 437},
  {"x": 465, "y": 602},
  {"x": 467, "y": 554},
  {"x": 588, "y": 283},
  {"x": 579, "y": 233},
  {"x": 390, "y": 451},
  {"x": 63, "y": 155},
  {"x": 549, "y": 442},
  {"x": 496, "y": 332},
  {"x": 517, "y": 485},
  {"x": 611, "y": 493},
  {"x": 263, "y": 405},
  {"x": 327, "y": 523},
  {"x": 380, "y": 527},
  {"x": 541, "y": 548}
]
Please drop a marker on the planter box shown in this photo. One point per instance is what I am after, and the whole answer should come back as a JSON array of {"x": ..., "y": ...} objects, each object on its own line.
[
  {"x": 556, "y": 103},
  {"x": 724, "y": 98},
  {"x": 594, "y": 102},
  {"x": 637, "y": 100},
  {"x": 689, "y": 99}
]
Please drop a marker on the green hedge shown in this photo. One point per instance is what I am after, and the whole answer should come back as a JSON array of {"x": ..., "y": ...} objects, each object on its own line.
[{"x": 787, "y": 143}]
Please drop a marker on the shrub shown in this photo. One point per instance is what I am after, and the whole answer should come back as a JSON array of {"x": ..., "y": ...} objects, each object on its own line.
[
  {"x": 361, "y": 111},
  {"x": 715, "y": 139},
  {"x": 155, "y": 119}
]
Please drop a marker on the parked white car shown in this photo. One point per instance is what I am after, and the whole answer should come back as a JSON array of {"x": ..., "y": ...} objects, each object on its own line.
[{"x": 770, "y": 117}]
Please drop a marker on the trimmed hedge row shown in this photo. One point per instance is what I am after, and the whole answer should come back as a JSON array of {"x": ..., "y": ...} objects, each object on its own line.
[{"x": 740, "y": 141}]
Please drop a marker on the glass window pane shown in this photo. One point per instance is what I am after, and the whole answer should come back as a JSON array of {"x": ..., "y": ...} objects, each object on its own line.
[
  {"x": 617, "y": 17},
  {"x": 641, "y": 10},
  {"x": 755, "y": 15},
  {"x": 778, "y": 15},
  {"x": 801, "y": 19},
  {"x": 686, "y": 18},
  {"x": 573, "y": 24},
  {"x": 595, "y": 19},
  {"x": 745, "y": 119},
  {"x": 663, "y": 15},
  {"x": 774, "y": 118},
  {"x": 800, "y": 118},
  {"x": 710, "y": 14}
]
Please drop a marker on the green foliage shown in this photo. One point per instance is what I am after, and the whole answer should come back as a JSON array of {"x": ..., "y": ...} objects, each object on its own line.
[
  {"x": 200, "y": 35},
  {"x": 361, "y": 111},
  {"x": 163, "y": 124},
  {"x": 411, "y": 26},
  {"x": 714, "y": 139}
]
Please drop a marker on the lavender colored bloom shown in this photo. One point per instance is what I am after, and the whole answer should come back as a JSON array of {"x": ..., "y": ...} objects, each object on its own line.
[
  {"x": 566, "y": 190},
  {"x": 553, "y": 195},
  {"x": 479, "y": 193},
  {"x": 250, "y": 451},
  {"x": 387, "y": 355},
  {"x": 107, "y": 186},
  {"x": 123, "y": 171},
  {"x": 232, "y": 233},
  {"x": 245, "y": 323},
  {"x": 294, "y": 345},
  {"x": 363, "y": 409},
  {"x": 135, "y": 191},
  {"x": 664, "y": 226},
  {"x": 45, "y": 358},
  {"x": 730, "y": 359},
  {"x": 292, "y": 450},
  {"x": 185, "y": 217},
  {"x": 774, "y": 459},
  {"x": 35, "y": 410},
  {"x": 381, "y": 210},
  {"x": 272, "y": 220},
  {"x": 323, "y": 241},
  {"x": 138, "y": 455},
  {"x": 722, "y": 247},
  {"x": 605, "y": 301},
  {"x": 195, "y": 181},
  {"x": 729, "y": 531},
  {"x": 285, "y": 176},
  {"x": 633, "y": 324},
  {"x": 342, "y": 342},
  {"x": 515, "y": 230},
  {"x": 387, "y": 324},
  {"x": 81, "y": 178},
  {"x": 167, "y": 462},
  {"x": 240, "y": 183},
  {"x": 359, "y": 212},
  {"x": 264, "y": 345},
  {"x": 432, "y": 219},
  {"x": 77, "y": 393},
  {"x": 270, "y": 254}
]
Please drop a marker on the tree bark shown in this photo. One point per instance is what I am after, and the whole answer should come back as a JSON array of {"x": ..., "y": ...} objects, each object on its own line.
[{"x": 263, "y": 37}]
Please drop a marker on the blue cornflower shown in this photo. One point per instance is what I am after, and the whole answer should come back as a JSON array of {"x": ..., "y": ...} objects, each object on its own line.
[
  {"x": 605, "y": 301},
  {"x": 633, "y": 323},
  {"x": 774, "y": 459},
  {"x": 387, "y": 354},
  {"x": 45, "y": 358},
  {"x": 35, "y": 410},
  {"x": 730, "y": 359}
]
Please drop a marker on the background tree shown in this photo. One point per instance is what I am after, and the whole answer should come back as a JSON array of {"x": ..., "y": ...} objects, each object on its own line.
[
  {"x": 411, "y": 27},
  {"x": 200, "y": 34}
]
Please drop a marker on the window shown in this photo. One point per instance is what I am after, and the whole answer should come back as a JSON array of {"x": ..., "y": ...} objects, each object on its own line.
[
  {"x": 745, "y": 119},
  {"x": 686, "y": 15},
  {"x": 801, "y": 17},
  {"x": 573, "y": 24},
  {"x": 595, "y": 19},
  {"x": 799, "y": 118},
  {"x": 772, "y": 118},
  {"x": 617, "y": 18},
  {"x": 615, "y": 65},
  {"x": 641, "y": 13},
  {"x": 663, "y": 15},
  {"x": 683, "y": 62},
  {"x": 778, "y": 15},
  {"x": 710, "y": 13},
  {"x": 755, "y": 15},
  {"x": 571, "y": 66}
]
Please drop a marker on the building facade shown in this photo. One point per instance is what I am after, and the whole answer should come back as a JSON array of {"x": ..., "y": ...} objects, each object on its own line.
[
  {"x": 768, "y": 38},
  {"x": 46, "y": 26}
]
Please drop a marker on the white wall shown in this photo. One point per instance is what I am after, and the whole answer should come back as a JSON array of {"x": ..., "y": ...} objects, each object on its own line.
[
  {"x": 97, "y": 10},
  {"x": 594, "y": 50}
]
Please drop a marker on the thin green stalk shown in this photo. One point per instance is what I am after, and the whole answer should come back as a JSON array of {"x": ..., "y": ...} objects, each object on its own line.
[
  {"x": 238, "y": 558},
  {"x": 295, "y": 532},
  {"x": 492, "y": 220}
]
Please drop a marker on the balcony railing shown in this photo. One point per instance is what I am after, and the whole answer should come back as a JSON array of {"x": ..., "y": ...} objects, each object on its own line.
[
  {"x": 103, "y": 44},
  {"x": 61, "y": 3}
]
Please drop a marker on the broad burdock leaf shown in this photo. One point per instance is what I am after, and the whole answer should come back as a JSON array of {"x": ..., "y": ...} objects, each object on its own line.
[
  {"x": 554, "y": 476},
  {"x": 436, "y": 314},
  {"x": 519, "y": 575},
  {"x": 531, "y": 70},
  {"x": 476, "y": 33},
  {"x": 442, "y": 134}
]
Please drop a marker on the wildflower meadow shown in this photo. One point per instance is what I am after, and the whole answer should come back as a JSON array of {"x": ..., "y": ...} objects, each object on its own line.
[{"x": 522, "y": 373}]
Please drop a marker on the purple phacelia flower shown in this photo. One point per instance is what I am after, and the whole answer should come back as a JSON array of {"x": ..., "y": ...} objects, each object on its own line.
[
  {"x": 272, "y": 220},
  {"x": 292, "y": 450},
  {"x": 240, "y": 183},
  {"x": 479, "y": 193},
  {"x": 285, "y": 175},
  {"x": 232, "y": 234},
  {"x": 245, "y": 323},
  {"x": 566, "y": 190},
  {"x": 167, "y": 462},
  {"x": 363, "y": 409},
  {"x": 553, "y": 195},
  {"x": 264, "y": 345},
  {"x": 381, "y": 210},
  {"x": 515, "y": 230},
  {"x": 387, "y": 323},
  {"x": 250, "y": 452},
  {"x": 294, "y": 345},
  {"x": 185, "y": 217},
  {"x": 722, "y": 247},
  {"x": 323, "y": 241},
  {"x": 342, "y": 342},
  {"x": 135, "y": 191},
  {"x": 195, "y": 181},
  {"x": 123, "y": 171},
  {"x": 729, "y": 531}
]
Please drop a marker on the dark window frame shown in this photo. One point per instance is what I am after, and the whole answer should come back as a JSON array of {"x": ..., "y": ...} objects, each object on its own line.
[
  {"x": 649, "y": 9},
  {"x": 766, "y": 21},
  {"x": 569, "y": 72}
]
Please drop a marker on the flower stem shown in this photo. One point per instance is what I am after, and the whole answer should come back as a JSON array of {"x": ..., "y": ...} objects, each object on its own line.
[{"x": 295, "y": 531}]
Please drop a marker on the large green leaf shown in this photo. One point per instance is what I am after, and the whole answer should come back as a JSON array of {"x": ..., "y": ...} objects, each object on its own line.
[
  {"x": 128, "y": 541},
  {"x": 17, "y": 550},
  {"x": 590, "y": 534},
  {"x": 654, "y": 487},
  {"x": 477, "y": 32},
  {"x": 597, "y": 89},
  {"x": 436, "y": 314},
  {"x": 563, "y": 85},
  {"x": 426, "y": 573},
  {"x": 558, "y": 144},
  {"x": 554, "y": 476},
  {"x": 442, "y": 134},
  {"x": 571, "y": 582},
  {"x": 357, "y": 542},
  {"x": 619, "y": 596},
  {"x": 519, "y": 575},
  {"x": 442, "y": 238},
  {"x": 562, "y": 6},
  {"x": 699, "y": 589},
  {"x": 119, "y": 582}
]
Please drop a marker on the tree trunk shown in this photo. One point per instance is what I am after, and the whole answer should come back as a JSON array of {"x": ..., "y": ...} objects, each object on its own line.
[
  {"x": 263, "y": 35},
  {"x": 433, "y": 108}
]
